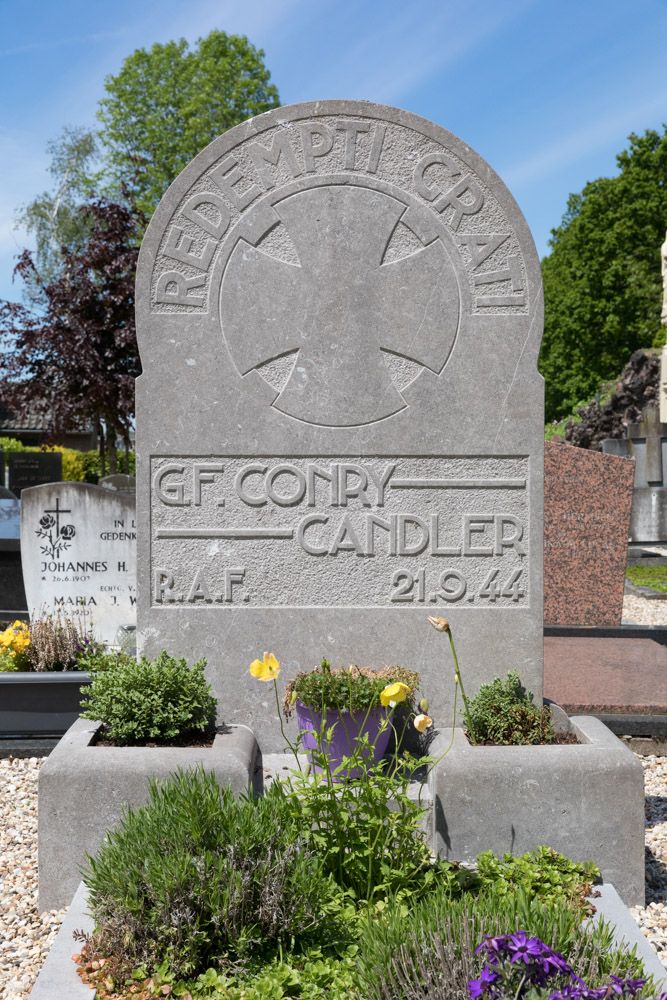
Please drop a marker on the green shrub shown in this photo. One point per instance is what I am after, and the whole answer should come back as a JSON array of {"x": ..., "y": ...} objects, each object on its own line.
[
  {"x": 144, "y": 700},
  {"x": 8, "y": 444},
  {"x": 197, "y": 878},
  {"x": 93, "y": 655},
  {"x": 503, "y": 712},
  {"x": 427, "y": 953},
  {"x": 350, "y": 688},
  {"x": 92, "y": 469}
]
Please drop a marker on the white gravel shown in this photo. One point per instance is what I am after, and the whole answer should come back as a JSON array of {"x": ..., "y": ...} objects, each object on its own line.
[
  {"x": 653, "y": 918},
  {"x": 643, "y": 612},
  {"x": 26, "y": 935}
]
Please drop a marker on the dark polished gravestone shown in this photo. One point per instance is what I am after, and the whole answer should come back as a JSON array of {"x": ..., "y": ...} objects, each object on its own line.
[
  {"x": 321, "y": 295},
  {"x": 120, "y": 482},
  {"x": 12, "y": 592},
  {"x": 587, "y": 503},
  {"x": 33, "y": 468}
]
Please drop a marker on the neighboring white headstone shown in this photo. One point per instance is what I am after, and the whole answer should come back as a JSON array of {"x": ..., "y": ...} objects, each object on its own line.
[{"x": 78, "y": 551}]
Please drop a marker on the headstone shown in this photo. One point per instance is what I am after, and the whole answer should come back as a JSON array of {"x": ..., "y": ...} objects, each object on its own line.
[
  {"x": 121, "y": 482},
  {"x": 78, "y": 547},
  {"x": 616, "y": 446},
  {"x": 340, "y": 419},
  {"x": 2, "y": 470},
  {"x": 12, "y": 593},
  {"x": 587, "y": 502},
  {"x": 647, "y": 444},
  {"x": 34, "y": 468}
]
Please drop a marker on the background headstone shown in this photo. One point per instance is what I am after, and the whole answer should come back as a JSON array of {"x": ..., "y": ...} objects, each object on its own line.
[
  {"x": 12, "y": 593},
  {"x": 646, "y": 443},
  {"x": 2, "y": 470},
  {"x": 78, "y": 549},
  {"x": 340, "y": 419},
  {"x": 587, "y": 501},
  {"x": 121, "y": 482},
  {"x": 33, "y": 468}
]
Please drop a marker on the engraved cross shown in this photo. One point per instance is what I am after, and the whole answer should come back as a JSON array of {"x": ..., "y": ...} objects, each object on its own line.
[{"x": 340, "y": 307}]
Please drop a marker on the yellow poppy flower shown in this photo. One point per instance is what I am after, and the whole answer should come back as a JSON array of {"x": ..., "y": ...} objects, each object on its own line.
[
  {"x": 266, "y": 669},
  {"x": 422, "y": 722},
  {"x": 394, "y": 693}
]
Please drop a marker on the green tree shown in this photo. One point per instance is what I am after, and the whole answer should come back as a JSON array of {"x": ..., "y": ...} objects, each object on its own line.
[
  {"x": 168, "y": 103},
  {"x": 53, "y": 217},
  {"x": 602, "y": 280}
]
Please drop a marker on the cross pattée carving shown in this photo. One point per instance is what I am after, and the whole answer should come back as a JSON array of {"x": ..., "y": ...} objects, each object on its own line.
[{"x": 340, "y": 307}]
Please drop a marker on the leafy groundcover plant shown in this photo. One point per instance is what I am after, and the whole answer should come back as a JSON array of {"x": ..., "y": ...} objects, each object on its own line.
[
  {"x": 349, "y": 689},
  {"x": 141, "y": 700},
  {"x": 198, "y": 895},
  {"x": 504, "y": 713}
]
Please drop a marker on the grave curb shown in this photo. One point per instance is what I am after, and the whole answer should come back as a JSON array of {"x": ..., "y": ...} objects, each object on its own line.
[
  {"x": 40, "y": 703},
  {"x": 584, "y": 800},
  {"x": 82, "y": 791},
  {"x": 58, "y": 979}
]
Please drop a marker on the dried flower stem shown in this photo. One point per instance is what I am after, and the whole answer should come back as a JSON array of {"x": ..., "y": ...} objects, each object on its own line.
[{"x": 459, "y": 681}]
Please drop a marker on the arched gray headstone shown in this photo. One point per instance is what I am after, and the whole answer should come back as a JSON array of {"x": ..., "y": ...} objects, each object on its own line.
[{"x": 340, "y": 419}]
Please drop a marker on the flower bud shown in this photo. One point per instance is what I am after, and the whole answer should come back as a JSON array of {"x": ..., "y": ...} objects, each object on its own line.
[
  {"x": 293, "y": 698},
  {"x": 422, "y": 722},
  {"x": 423, "y": 704},
  {"x": 441, "y": 624}
]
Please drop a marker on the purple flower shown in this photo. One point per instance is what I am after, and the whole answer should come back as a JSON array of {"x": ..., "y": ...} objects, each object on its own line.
[
  {"x": 478, "y": 986},
  {"x": 624, "y": 986},
  {"x": 523, "y": 948}
]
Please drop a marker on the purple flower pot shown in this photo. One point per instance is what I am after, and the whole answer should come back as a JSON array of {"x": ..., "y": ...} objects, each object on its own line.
[{"x": 348, "y": 728}]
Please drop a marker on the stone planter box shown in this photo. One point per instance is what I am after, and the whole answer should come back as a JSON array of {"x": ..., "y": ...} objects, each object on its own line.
[
  {"x": 40, "y": 704},
  {"x": 82, "y": 790},
  {"x": 586, "y": 801},
  {"x": 58, "y": 979}
]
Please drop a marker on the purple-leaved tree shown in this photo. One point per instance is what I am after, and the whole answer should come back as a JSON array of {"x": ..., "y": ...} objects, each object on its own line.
[{"x": 71, "y": 354}]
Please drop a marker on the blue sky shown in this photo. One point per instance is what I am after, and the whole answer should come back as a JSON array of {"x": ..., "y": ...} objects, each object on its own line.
[{"x": 545, "y": 90}]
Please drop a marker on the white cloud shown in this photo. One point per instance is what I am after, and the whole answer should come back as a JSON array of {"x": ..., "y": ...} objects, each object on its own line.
[
  {"x": 596, "y": 132},
  {"x": 55, "y": 43},
  {"x": 409, "y": 48}
]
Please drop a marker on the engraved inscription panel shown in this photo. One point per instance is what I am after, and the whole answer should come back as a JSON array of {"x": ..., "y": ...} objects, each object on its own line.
[
  {"x": 240, "y": 532},
  {"x": 364, "y": 150}
]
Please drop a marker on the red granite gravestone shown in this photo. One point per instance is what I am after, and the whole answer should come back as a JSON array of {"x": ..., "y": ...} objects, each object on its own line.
[{"x": 587, "y": 504}]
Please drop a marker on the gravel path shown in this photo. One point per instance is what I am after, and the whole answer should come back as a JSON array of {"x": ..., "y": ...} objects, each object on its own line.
[{"x": 26, "y": 935}]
